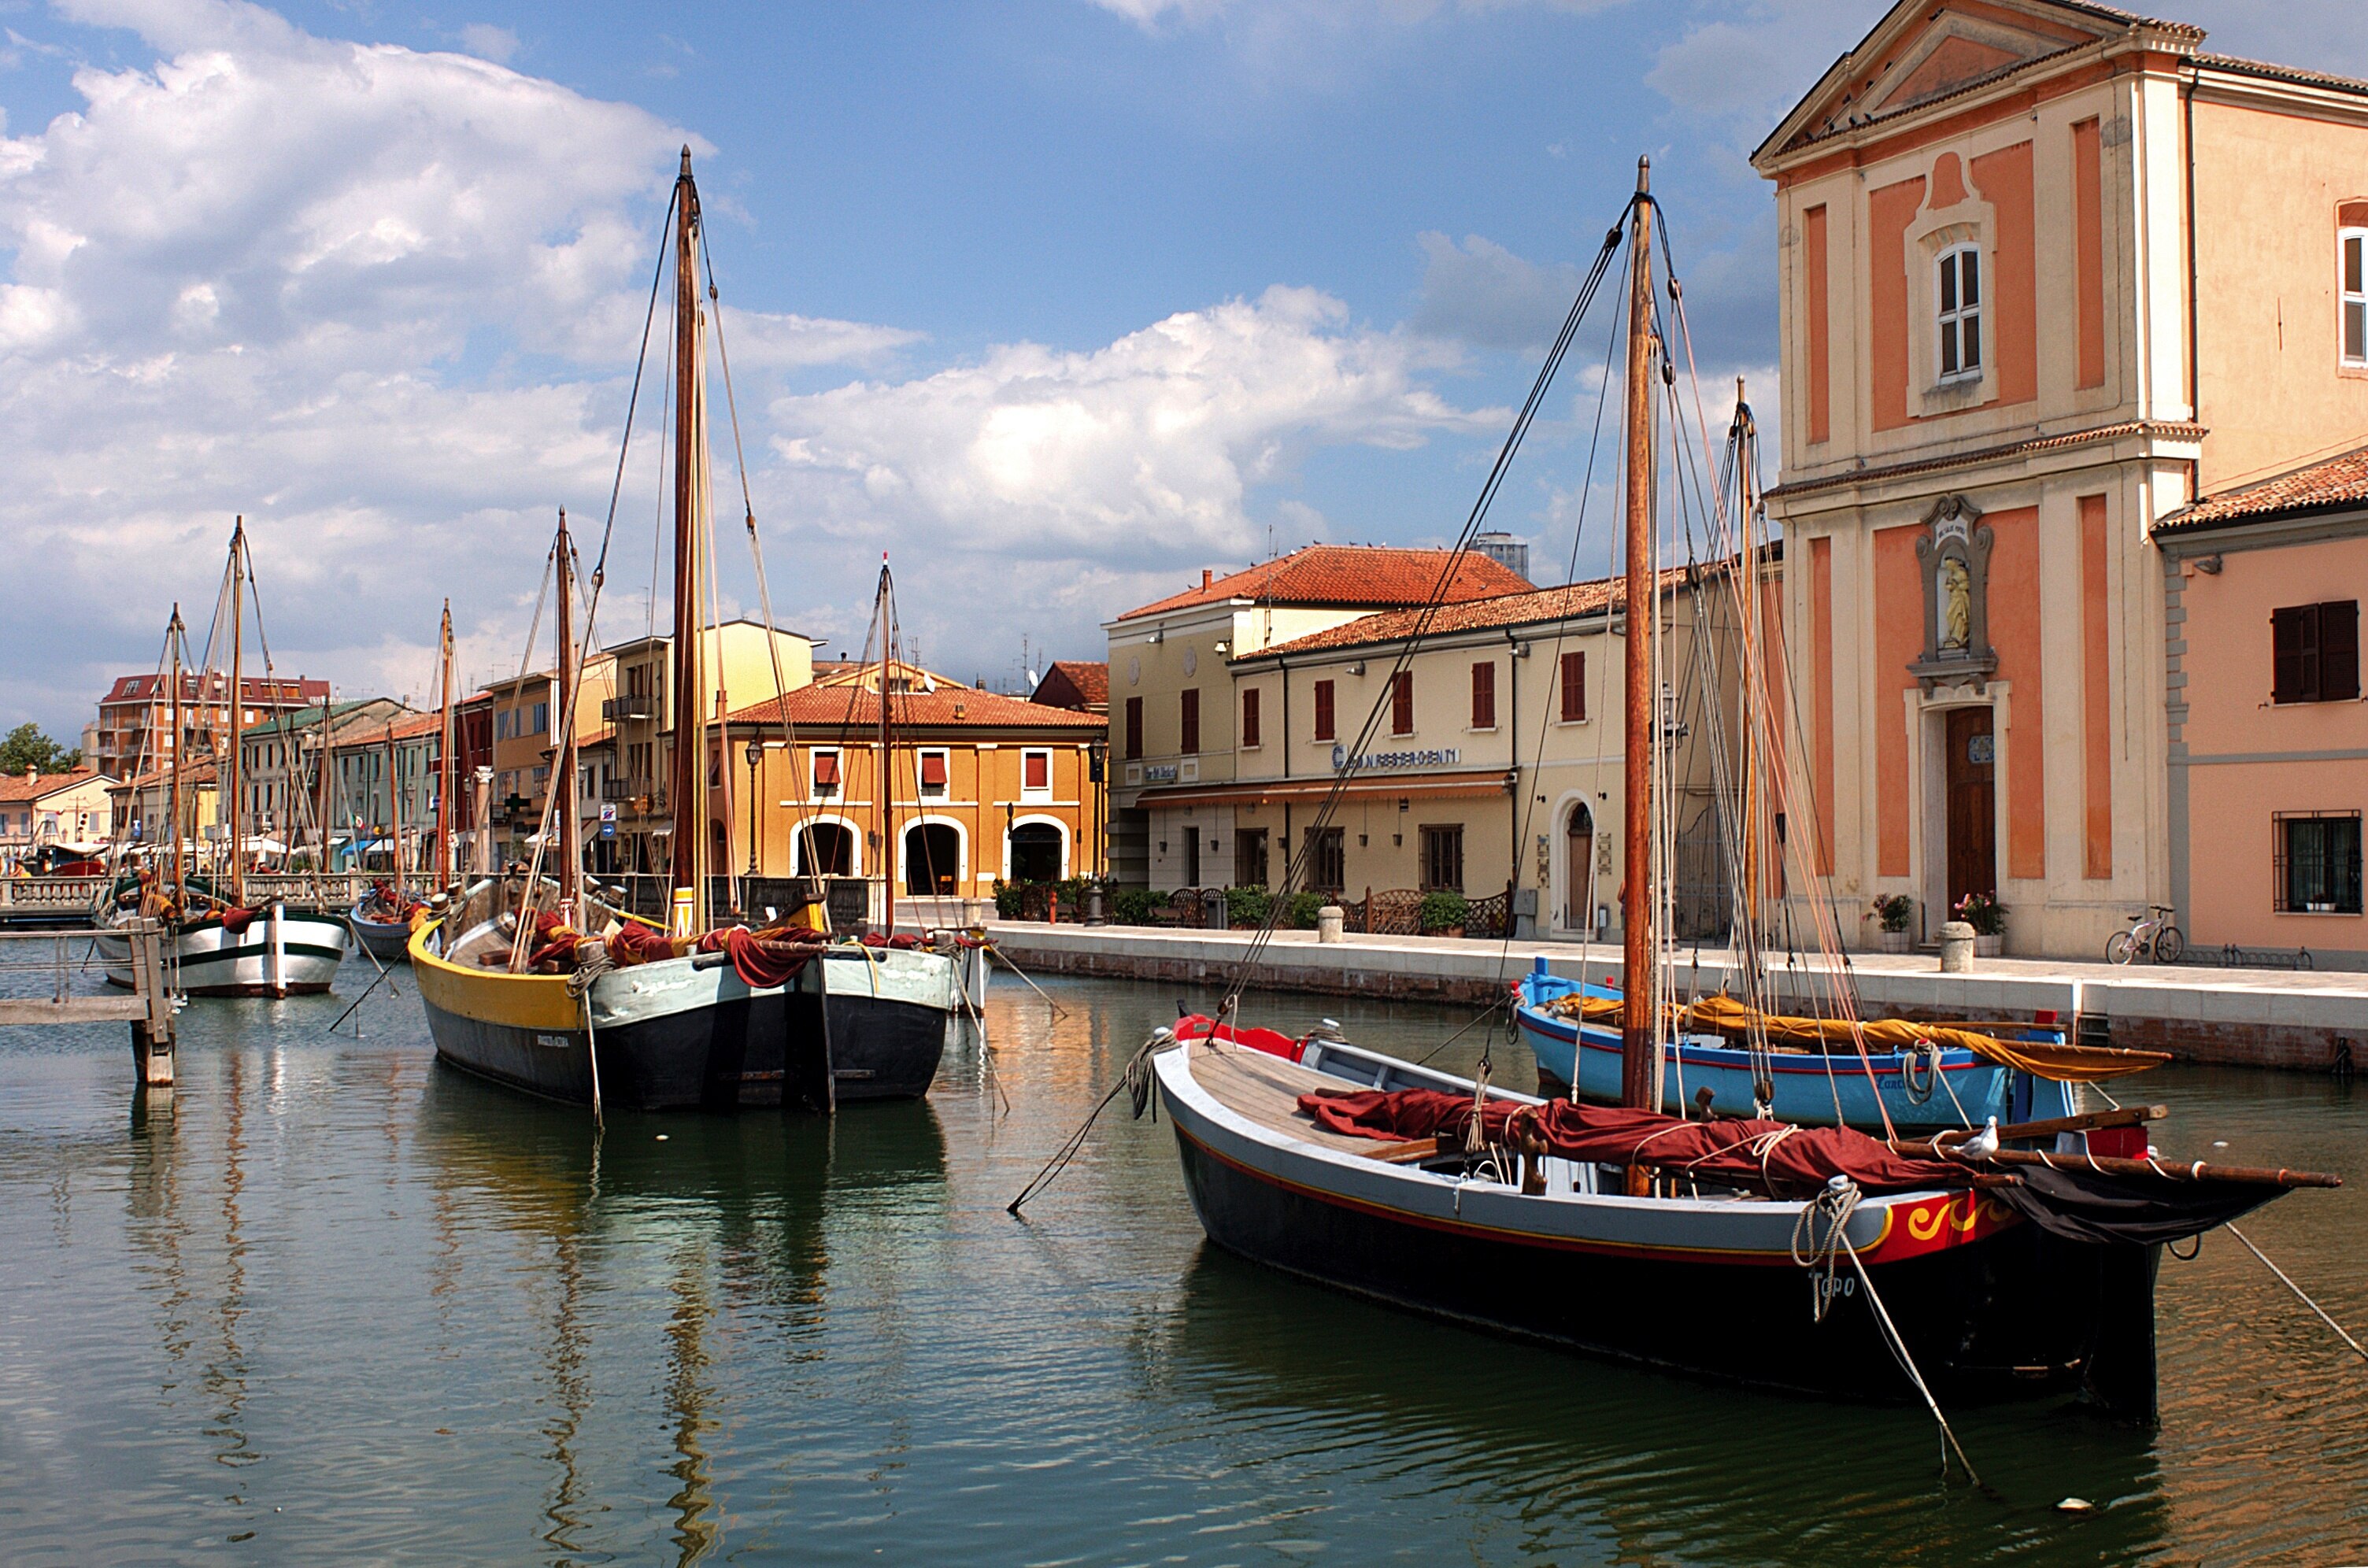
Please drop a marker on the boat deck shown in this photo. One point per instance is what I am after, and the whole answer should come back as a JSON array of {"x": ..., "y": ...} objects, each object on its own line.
[{"x": 1266, "y": 1089}]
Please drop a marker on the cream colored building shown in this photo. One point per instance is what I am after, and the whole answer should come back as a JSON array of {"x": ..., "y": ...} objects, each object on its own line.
[
  {"x": 1171, "y": 709},
  {"x": 1488, "y": 763},
  {"x": 2047, "y": 272}
]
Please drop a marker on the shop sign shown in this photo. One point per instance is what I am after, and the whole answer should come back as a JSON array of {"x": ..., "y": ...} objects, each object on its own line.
[{"x": 1389, "y": 761}]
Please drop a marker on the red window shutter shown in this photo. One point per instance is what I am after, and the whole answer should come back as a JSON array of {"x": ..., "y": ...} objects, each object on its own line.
[
  {"x": 2293, "y": 640},
  {"x": 1035, "y": 770},
  {"x": 1323, "y": 710},
  {"x": 825, "y": 769},
  {"x": 2339, "y": 650},
  {"x": 1484, "y": 696},
  {"x": 1250, "y": 717},
  {"x": 1573, "y": 687},
  {"x": 1191, "y": 716},
  {"x": 1401, "y": 703},
  {"x": 933, "y": 769},
  {"x": 1134, "y": 726}
]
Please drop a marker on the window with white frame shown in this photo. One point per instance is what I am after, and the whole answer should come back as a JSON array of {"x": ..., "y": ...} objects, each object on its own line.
[
  {"x": 1957, "y": 299},
  {"x": 1035, "y": 775},
  {"x": 2352, "y": 244},
  {"x": 935, "y": 769},
  {"x": 824, "y": 773}
]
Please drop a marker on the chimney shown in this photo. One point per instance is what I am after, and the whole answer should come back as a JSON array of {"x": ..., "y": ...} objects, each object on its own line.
[{"x": 1206, "y": 576}]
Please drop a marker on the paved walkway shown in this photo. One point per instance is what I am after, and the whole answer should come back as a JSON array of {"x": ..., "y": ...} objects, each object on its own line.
[{"x": 2309, "y": 1020}]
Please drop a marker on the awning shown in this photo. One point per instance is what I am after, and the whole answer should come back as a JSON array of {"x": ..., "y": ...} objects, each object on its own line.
[{"x": 1461, "y": 785}]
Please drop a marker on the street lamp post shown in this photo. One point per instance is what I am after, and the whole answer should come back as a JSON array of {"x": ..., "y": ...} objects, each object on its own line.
[{"x": 755, "y": 756}]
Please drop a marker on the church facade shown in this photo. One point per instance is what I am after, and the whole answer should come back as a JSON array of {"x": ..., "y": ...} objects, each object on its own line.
[{"x": 2050, "y": 273}]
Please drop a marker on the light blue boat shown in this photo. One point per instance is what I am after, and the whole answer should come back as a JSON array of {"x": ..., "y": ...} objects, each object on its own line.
[{"x": 1809, "y": 1088}]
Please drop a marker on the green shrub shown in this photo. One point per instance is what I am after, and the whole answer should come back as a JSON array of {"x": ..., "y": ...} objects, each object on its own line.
[
  {"x": 1300, "y": 912},
  {"x": 1006, "y": 900},
  {"x": 1894, "y": 911},
  {"x": 1443, "y": 911},
  {"x": 1132, "y": 906},
  {"x": 1247, "y": 906}
]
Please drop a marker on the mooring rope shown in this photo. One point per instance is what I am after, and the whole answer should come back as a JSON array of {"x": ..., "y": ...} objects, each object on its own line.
[
  {"x": 1135, "y": 1079},
  {"x": 2299, "y": 1294}
]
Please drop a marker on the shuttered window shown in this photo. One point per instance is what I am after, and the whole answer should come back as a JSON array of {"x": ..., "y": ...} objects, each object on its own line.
[
  {"x": 1323, "y": 710},
  {"x": 825, "y": 773},
  {"x": 1250, "y": 717},
  {"x": 1191, "y": 716},
  {"x": 1401, "y": 703},
  {"x": 1484, "y": 694},
  {"x": 933, "y": 773},
  {"x": 1574, "y": 688},
  {"x": 1134, "y": 727},
  {"x": 2316, "y": 653},
  {"x": 1036, "y": 770}
]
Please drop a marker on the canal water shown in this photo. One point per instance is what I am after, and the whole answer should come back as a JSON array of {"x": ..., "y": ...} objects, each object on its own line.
[{"x": 339, "y": 1304}]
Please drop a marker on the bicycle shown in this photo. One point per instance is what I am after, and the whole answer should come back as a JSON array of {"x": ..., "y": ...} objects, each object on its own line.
[{"x": 2151, "y": 933}]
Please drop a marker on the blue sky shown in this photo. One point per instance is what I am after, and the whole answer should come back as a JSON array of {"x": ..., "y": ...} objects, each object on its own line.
[{"x": 1057, "y": 301}]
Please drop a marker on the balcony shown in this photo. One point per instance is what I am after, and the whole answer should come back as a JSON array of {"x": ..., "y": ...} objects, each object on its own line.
[
  {"x": 627, "y": 792},
  {"x": 628, "y": 707}
]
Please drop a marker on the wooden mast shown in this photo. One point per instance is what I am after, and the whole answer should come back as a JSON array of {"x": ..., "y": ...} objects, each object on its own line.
[
  {"x": 445, "y": 774},
  {"x": 689, "y": 781},
  {"x": 237, "y": 703},
  {"x": 320, "y": 791},
  {"x": 393, "y": 809},
  {"x": 563, "y": 762},
  {"x": 1639, "y": 956},
  {"x": 885, "y": 781},
  {"x": 1748, "y": 564},
  {"x": 180, "y": 877}
]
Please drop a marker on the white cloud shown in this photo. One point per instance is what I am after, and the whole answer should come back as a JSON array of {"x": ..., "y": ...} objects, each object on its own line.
[
  {"x": 489, "y": 42},
  {"x": 1145, "y": 449},
  {"x": 297, "y": 278},
  {"x": 1154, "y": 14}
]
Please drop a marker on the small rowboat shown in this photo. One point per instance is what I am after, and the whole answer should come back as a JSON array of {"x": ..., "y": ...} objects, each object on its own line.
[
  {"x": 1921, "y": 1090},
  {"x": 385, "y": 940}
]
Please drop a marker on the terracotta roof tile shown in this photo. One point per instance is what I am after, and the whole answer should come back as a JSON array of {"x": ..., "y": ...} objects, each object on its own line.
[
  {"x": 1351, "y": 575},
  {"x": 1088, "y": 678},
  {"x": 846, "y": 707},
  {"x": 1505, "y": 609},
  {"x": 132, "y": 688},
  {"x": 2332, "y": 484},
  {"x": 19, "y": 788}
]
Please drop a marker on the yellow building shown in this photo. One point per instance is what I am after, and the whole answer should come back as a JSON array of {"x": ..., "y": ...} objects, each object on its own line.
[
  {"x": 69, "y": 808},
  {"x": 981, "y": 787}
]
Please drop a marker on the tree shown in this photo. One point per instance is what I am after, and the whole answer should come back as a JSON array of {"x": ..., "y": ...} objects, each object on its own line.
[{"x": 24, "y": 747}]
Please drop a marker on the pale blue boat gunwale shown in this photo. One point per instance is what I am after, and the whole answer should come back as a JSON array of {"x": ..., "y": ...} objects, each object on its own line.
[{"x": 1808, "y": 1086}]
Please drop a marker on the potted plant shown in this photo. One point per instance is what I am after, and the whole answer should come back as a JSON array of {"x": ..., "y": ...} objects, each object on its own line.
[
  {"x": 1987, "y": 918},
  {"x": 1894, "y": 911},
  {"x": 1442, "y": 913}
]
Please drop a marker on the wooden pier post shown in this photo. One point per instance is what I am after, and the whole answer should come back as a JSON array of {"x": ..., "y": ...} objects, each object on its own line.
[{"x": 152, "y": 1034}]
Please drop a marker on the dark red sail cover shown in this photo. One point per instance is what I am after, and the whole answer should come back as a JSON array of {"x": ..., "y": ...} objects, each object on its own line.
[{"x": 1785, "y": 1159}]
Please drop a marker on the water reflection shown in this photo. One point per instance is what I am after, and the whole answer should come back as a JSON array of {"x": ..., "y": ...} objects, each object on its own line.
[
  {"x": 1630, "y": 1464},
  {"x": 352, "y": 1305}
]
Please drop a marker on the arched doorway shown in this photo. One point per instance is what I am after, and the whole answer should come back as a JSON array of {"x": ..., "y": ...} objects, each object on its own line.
[
  {"x": 1036, "y": 852},
  {"x": 1578, "y": 869},
  {"x": 932, "y": 858},
  {"x": 826, "y": 849}
]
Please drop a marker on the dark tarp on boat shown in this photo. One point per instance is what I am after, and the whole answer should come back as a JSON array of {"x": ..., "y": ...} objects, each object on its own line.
[{"x": 2089, "y": 1205}]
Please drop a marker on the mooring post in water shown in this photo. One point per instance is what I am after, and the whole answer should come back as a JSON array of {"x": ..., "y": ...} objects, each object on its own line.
[{"x": 152, "y": 1034}]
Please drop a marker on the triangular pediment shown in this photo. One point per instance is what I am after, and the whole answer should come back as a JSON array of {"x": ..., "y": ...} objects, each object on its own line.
[{"x": 1922, "y": 51}]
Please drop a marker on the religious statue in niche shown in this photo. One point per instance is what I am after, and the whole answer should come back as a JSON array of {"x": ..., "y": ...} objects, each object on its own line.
[{"x": 1955, "y": 554}]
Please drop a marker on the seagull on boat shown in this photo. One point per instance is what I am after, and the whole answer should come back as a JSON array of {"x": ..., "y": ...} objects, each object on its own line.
[{"x": 1981, "y": 1144}]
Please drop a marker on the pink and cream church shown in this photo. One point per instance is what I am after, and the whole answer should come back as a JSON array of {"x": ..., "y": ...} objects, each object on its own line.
[{"x": 2074, "y": 488}]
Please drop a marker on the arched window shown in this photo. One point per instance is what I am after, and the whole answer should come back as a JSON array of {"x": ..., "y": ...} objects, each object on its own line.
[
  {"x": 1036, "y": 852},
  {"x": 826, "y": 849},
  {"x": 932, "y": 858},
  {"x": 1958, "y": 301}
]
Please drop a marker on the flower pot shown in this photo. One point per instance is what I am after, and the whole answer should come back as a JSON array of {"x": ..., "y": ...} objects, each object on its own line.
[
  {"x": 1988, "y": 947},
  {"x": 1893, "y": 941}
]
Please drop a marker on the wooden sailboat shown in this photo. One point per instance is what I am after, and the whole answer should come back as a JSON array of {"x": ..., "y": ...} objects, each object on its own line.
[
  {"x": 543, "y": 984},
  {"x": 222, "y": 946},
  {"x": 1969, "y": 1268}
]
